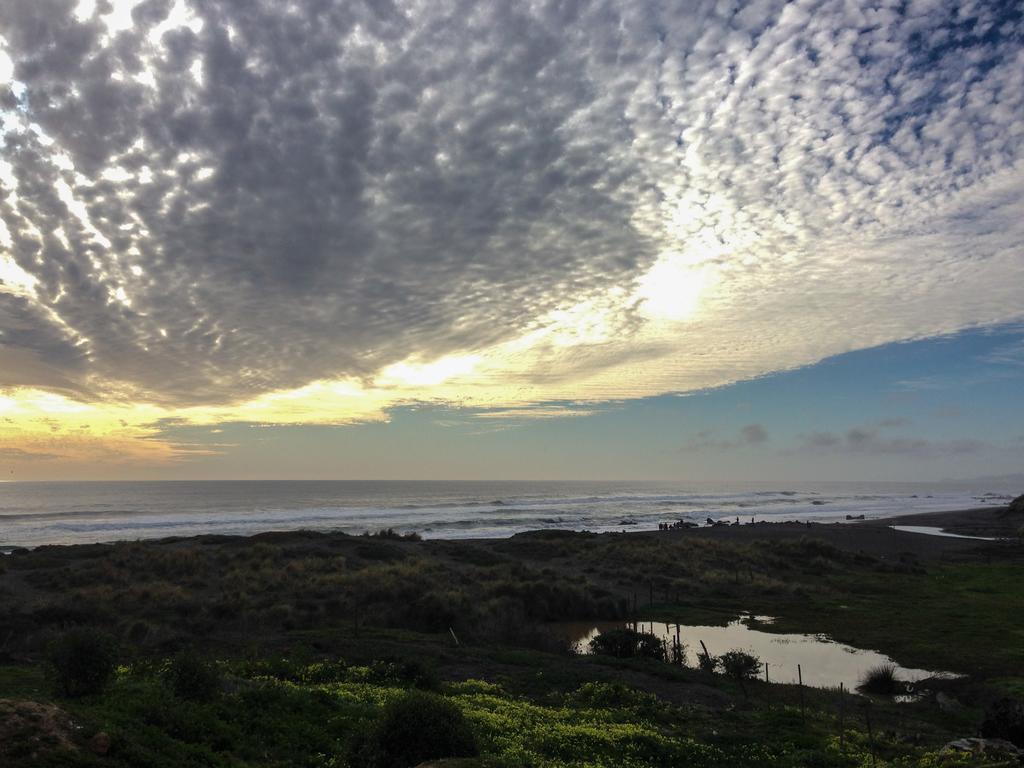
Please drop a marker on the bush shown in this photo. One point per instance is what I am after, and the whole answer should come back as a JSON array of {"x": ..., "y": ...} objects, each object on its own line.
[
  {"x": 391, "y": 533},
  {"x": 391, "y": 670},
  {"x": 611, "y": 696},
  {"x": 628, "y": 644},
  {"x": 707, "y": 662},
  {"x": 83, "y": 661},
  {"x": 881, "y": 681},
  {"x": 1005, "y": 720},
  {"x": 413, "y": 728},
  {"x": 191, "y": 678},
  {"x": 740, "y": 664}
]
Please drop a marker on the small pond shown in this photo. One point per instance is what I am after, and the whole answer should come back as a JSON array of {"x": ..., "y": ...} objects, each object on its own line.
[
  {"x": 824, "y": 663},
  {"x": 929, "y": 530}
]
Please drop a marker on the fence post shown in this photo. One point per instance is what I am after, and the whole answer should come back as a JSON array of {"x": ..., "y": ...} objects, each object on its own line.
[
  {"x": 800, "y": 680},
  {"x": 706, "y": 654}
]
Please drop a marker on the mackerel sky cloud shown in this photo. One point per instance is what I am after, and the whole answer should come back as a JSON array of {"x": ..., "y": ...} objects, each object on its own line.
[{"x": 314, "y": 211}]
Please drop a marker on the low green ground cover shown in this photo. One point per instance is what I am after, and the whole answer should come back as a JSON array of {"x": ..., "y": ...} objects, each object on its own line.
[{"x": 276, "y": 712}]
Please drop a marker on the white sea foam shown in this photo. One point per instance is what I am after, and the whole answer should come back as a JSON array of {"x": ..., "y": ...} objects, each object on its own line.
[{"x": 32, "y": 514}]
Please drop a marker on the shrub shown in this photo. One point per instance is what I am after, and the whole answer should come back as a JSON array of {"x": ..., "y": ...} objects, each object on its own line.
[
  {"x": 413, "y": 728},
  {"x": 412, "y": 672},
  {"x": 1005, "y": 720},
  {"x": 192, "y": 678},
  {"x": 611, "y": 696},
  {"x": 331, "y": 671},
  {"x": 138, "y": 632},
  {"x": 628, "y": 643},
  {"x": 740, "y": 664},
  {"x": 83, "y": 661},
  {"x": 707, "y": 662},
  {"x": 391, "y": 533},
  {"x": 881, "y": 681}
]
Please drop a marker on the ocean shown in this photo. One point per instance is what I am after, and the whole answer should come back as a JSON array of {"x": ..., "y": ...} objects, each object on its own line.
[{"x": 33, "y": 514}]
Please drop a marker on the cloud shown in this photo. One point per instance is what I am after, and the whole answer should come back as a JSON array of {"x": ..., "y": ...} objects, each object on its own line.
[
  {"x": 1007, "y": 355},
  {"x": 538, "y": 412},
  {"x": 276, "y": 211},
  {"x": 894, "y": 422},
  {"x": 866, "y": 440},
  {"x": 750, "y": 435},
  {"x": 822, "y": 440},
  {"x": 19, "y": 455},
  {"x": 754, "y": 434}
]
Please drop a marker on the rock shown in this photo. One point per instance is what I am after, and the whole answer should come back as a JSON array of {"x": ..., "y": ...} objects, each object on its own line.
[
  {"x": 31, "y": 729},
  {"x": 988, "y": 747},
  {"x": 1017, "y": 505},
  {"x": 100, "y": 743}
]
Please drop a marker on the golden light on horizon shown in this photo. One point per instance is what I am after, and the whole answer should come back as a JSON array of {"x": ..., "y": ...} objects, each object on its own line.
[{"x": 427, "y": 374}]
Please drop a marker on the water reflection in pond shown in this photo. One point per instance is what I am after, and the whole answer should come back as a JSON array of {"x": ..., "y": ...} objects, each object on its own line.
[
  {"x": 824, "y": 663},
  {"x": 929, "y": 530}
]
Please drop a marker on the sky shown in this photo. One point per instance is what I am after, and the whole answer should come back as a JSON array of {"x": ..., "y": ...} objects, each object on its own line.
[{"x": 694, "y": 240}]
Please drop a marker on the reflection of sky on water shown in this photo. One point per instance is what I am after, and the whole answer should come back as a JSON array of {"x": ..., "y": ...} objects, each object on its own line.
[{"x": 824, "y": 663}]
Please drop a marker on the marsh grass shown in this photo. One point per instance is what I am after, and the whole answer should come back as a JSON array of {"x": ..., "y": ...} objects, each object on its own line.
[{"x": 881, "y": 680}]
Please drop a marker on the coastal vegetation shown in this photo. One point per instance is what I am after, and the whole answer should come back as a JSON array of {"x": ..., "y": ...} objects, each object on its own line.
[
  {"x": 316, "y": 649},
  {"x": 882, "y": 681}
]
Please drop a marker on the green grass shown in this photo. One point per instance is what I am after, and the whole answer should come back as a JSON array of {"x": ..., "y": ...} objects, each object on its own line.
[{"x": 961, "y": 618}]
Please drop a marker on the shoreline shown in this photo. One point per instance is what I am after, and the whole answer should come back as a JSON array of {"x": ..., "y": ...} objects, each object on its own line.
[{"x": 969, "y": 528}]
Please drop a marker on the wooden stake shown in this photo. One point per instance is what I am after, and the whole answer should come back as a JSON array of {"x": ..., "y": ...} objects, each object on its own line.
[
  {"x": 706, "y": 654},
  {"x": 800, "y": 680}
]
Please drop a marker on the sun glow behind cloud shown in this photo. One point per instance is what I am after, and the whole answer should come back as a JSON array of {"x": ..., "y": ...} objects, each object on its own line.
[
  {"x": 672, "y": 288},
  {"x": 14, "y": 279}
]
